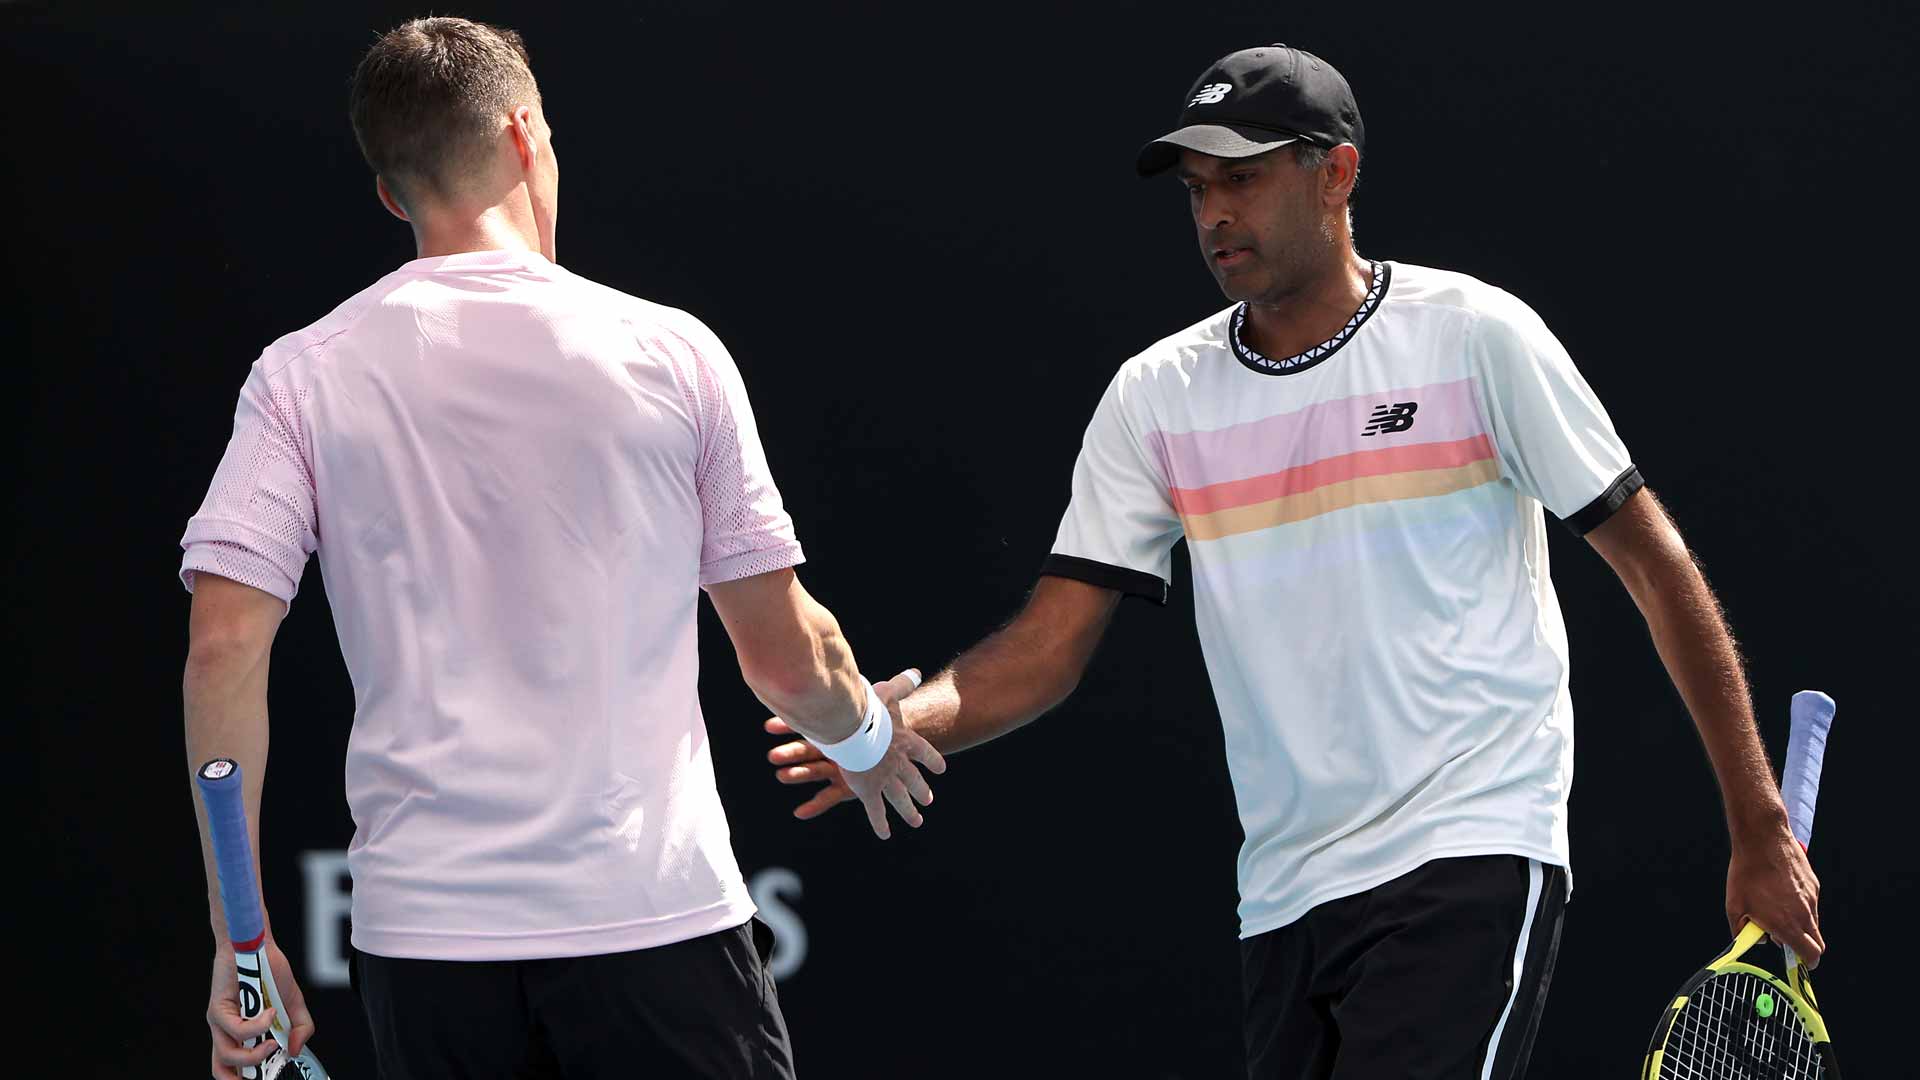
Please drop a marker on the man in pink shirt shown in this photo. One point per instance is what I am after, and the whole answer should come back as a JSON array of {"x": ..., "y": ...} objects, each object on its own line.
[{"x": 517, "y": 482}]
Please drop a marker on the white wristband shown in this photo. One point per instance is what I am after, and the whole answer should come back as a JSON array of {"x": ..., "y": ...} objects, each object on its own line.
[{"x": 863, "y": 749}]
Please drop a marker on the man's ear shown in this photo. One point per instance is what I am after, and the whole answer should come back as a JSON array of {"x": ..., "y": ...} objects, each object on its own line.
[
  {"x": 523, "y": 141},
  {"x": 1343, "y": 171},
  {"x": 387, "y": 200}
]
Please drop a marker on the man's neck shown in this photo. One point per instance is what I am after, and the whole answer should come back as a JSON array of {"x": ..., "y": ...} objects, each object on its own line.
[
  {"x": 493, "y": 229},
  {"x": 1297, "y": 322}
]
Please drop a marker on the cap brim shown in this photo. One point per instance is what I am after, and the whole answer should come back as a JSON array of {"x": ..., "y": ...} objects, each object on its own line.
[{"x": 1217, "y": 140}]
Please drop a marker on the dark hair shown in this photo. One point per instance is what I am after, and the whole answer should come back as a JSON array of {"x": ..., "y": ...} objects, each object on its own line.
[
  {"x": 429, "y": 98},
  {"x": 1312, "y": 155},
  {"x": 1309, "y": 155}
]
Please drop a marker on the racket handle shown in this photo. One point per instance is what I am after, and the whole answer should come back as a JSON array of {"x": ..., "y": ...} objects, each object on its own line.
[
  {"x": 221, "y": 791},
  {"x": 1812, "y": 715}
]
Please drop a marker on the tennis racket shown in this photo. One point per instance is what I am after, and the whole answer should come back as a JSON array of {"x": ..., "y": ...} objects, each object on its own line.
[
  {"x": 1734, "y": 1020},
  {"x": 219, "y": 782}
]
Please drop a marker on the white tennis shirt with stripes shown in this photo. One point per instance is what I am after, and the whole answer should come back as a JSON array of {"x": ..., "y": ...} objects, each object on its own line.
[
  {"x": 517, "y": 482},
  {"x": 1369, "y": 557}
]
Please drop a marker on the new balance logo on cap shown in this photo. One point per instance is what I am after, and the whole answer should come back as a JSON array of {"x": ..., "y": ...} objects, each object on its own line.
[
  {"x": 1387, "y": 419},
  {"x": 1255, "y": 100},
  {"x": 1211, "y": 94}
]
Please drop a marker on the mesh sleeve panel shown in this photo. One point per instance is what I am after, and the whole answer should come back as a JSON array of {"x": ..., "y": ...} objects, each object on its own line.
[
  {"x": 259, "y": 522},
  {"x": 745, "y": 527}
]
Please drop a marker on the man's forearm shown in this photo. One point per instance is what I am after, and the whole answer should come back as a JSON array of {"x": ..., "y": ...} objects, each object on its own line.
[
  {"x": 792, "y": 654},
  {"x": 1014, "y": 675},
  {"x": 1694, "y": 643},
  {"x": 1698, "y": 650},
  {"x": 820, "y": 695},
  {"x": 226, "y": 716},
  {"x": 224, "y": 694}
]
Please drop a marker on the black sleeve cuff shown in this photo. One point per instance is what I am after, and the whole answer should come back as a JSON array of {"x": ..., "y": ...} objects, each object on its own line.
[
  {"x": 1599, "y": 510},
  {"x": 1107, "y": 576}
]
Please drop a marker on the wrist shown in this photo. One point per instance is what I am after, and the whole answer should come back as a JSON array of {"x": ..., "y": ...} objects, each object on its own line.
[
  {"x": 863, "y": 749},
  {"x": 1761, "y": 822}
]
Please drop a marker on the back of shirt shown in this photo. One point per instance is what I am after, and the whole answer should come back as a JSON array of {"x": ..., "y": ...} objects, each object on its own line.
[{"x": 516, "y": 481}]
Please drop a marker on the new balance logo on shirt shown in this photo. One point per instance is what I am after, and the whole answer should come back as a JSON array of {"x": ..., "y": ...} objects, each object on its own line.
[{"x": 1387, "y": 419}]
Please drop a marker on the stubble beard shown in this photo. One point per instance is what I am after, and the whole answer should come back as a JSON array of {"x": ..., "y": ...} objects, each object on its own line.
[{"x": 1285, "y": 280}]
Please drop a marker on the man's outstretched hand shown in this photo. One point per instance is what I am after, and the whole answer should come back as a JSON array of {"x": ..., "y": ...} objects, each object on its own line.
[{"x": 895, "y": 780}]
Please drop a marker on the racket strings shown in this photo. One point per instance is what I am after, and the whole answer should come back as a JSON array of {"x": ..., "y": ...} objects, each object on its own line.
[{"x": 1721, "y": 1034}]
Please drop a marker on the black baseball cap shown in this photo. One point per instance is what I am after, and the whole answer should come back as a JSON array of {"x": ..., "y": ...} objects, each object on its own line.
[{"x": 1256, "y": 100}]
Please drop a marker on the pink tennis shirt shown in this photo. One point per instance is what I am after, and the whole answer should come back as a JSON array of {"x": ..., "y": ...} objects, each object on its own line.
[{"x": 517, "y": 481}]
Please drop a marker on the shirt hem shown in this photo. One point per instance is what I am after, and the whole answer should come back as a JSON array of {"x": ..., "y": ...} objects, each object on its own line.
[
  {"x": 1291, "y": 913},
  {"x": 1605, "y": 504},
  {"x": 782, "y": 556},
  {"x": 201, "y": 558},
  {"x": 551, "y": 944},
  {"x": 1122, "y": 579}
]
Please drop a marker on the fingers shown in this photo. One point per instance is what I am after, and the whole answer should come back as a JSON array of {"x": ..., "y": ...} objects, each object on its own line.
[
  {"x": 877, "y": 815},
  {"x": 922, "y": 751},
  {"x": 223, "y": 1069},
  {"x": 294, "y": 1005},
  {"x": 808, "y": 774},
  {"x": 231, "y": 1033},
  {"x": 1810, "y": 949},
  {"x": 1798, "y": 931},
  {"x": 223, "y": 1017},
  {"x": 823, "y": 801},
  {"x": 899, "y": 686},
  {"x": 235, "y": 1056},
  {"x": 1805, "y": 941},
  {"x": 777, "y": 726},
  {"x": 798, "y": 752},
  {"x": 896, "y": 792},
  {"x": 918, "y": 787}
]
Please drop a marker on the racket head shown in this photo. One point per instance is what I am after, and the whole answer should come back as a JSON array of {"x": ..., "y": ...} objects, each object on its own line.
[{"x": 1734, "y": 1020}]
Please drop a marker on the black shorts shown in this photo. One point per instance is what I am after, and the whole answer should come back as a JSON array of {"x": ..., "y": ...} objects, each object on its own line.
[
  {"x": 698, "y": 1008},
  {"x": 1441, "y": 972}
]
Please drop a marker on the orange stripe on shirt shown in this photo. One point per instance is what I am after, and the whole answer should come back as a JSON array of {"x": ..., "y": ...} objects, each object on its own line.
[
  {"x": 1339, "y": 495},
  {"x": 1383, "y": 462}
]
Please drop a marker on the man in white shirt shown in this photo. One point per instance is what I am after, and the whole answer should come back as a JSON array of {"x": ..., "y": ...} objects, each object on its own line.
[
  {"x": 517, "y": 482},
  {"x": 1357, "y": 453}
]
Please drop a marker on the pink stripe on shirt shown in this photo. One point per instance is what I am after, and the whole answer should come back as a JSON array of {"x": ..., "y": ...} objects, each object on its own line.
[
  {"x": 1382, "y": 462},
  {"x": 1447, "y": 413}
]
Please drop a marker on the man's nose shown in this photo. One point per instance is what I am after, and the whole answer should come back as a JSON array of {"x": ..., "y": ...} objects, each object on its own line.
[{"x": 1213, "y": 212}]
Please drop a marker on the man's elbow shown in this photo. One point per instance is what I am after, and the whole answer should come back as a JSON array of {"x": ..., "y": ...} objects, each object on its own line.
[
  {"x": 217, "y": 652},
  {"x": 231, "y": 626},
  {"x": 1068, "y": 683}
]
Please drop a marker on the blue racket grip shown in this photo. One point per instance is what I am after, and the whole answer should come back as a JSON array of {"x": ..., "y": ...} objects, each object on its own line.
[
  {"x": 1806, "y": 748},
  {"x": 226, "y": 803}
]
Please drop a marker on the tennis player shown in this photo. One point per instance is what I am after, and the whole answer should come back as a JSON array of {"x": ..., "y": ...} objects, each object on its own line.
[
  {"x": 1357, "y": 453},
  {"x": 518, "y": 482}
]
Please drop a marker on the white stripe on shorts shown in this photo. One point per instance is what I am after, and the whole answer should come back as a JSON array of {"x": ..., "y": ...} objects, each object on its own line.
[{"x": 1535, "y": 879}]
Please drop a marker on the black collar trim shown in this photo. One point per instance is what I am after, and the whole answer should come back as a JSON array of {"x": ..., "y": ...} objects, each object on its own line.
[{"x": 1255, "y": 361}]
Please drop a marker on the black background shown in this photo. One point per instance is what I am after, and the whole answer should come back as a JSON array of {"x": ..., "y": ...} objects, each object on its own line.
[{"x": 918, "y": 230}]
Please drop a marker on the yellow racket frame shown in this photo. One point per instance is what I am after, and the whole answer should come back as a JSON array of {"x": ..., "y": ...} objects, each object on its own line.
[{"x": 1794, "y": 989}]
